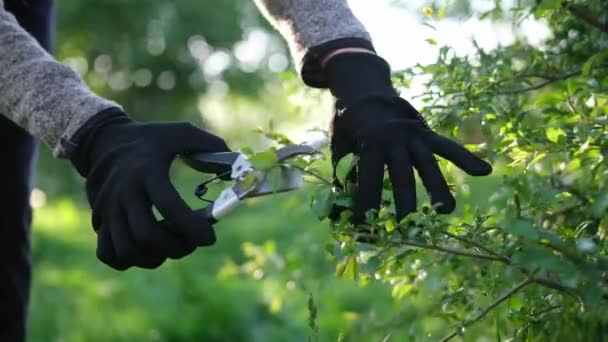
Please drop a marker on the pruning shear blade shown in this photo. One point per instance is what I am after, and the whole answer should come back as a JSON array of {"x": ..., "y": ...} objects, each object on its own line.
[{"x": 250, "y": 182}]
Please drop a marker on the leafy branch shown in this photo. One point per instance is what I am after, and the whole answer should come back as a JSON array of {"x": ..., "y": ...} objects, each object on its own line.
[
  {"x": 454, "y": 251},
  {"x": 477, "y": 245},
  {"x": 548, "y": 80},
  {"x": 584, "y": 14}
]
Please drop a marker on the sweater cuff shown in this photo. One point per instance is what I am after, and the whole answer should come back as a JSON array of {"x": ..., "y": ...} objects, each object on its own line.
[
  {"x": 313, "y": 73},
  {"x": 70, "y": 146}
]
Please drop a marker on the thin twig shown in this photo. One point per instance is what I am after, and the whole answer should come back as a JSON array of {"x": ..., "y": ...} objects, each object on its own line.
[
  {"x": 535, "y": 315},
  {"x": 541, "y": 312},
  {"x": 487, "y": 310},
  {"x": 478, "y": 245},
  {"x": 563, "y": 251},
  {"x": 450, "y": 250},
  {"x": 314, "y": 174},
  {"x": 517, "y": 205},
  {"x": 541, "y": 84}
]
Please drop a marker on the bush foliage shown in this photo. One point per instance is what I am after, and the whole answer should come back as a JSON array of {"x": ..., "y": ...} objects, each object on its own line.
[{"x": 532, "y": 257}]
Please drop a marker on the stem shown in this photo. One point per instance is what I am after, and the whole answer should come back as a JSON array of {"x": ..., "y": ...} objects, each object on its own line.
[
  {"x": 541, "y": 84},
  {"x": 314, "y": 174},
  {"x": 487, "y": 310},
  {"x": 541, "y": 312},
  {"x": 454, "y": 251},
  {"x": 478, "y": 245}
]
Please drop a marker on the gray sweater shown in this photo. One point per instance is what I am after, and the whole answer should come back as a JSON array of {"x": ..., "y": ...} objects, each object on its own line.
[{"x": 51, "y": 102}]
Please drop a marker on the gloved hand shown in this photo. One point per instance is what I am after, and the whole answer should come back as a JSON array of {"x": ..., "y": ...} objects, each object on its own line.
[
  {"x": 375, "y": 124},
  {"x": 126, "y": 166}
]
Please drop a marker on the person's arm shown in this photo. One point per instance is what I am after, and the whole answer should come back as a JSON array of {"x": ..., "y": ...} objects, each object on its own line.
[
  {"x": 332, "y": 49},
  {"x": 38, "y": 93},
  {"x": 125, "y": 163},
  {"x": 316, "y": 30}
]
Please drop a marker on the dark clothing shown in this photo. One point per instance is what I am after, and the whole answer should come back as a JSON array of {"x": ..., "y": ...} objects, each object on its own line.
[
  {"x": 36, "y": 17},
  {"x": 18, "y": 150}
]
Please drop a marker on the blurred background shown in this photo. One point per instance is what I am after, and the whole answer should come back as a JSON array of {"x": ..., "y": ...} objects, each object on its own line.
[{"x": 219, "y": 65}]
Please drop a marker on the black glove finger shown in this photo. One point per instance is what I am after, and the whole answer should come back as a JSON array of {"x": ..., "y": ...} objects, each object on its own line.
[
  {"x": 459, "y": 155},
  {"x": 127, "y": 251},
  {"x": 96, "y": 221},
  {"x": 370, "y": 177},
  {"x": 103, "y": 196},
  {"x": 151, "y": 235},
  {"x": 340, "y": 146},
  {"x": 105, "y": 250},
  {"x": 402, "y": 178},
  {"x": 192, "y": 139},
  {"x": 428, "y": 170},
  {"x": 178, "y": 216}
]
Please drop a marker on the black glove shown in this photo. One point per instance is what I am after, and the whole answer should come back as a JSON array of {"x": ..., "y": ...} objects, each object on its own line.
[
  {"x": 126, "y": 166},
  {"x": 373, "y": 122}
]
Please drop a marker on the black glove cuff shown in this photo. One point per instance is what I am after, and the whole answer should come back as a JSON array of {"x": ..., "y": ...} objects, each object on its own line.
[
  {"x": 355, "y": 76},
  {"x": 83, "y": 140},
  {"x": 313, "y": 73}
]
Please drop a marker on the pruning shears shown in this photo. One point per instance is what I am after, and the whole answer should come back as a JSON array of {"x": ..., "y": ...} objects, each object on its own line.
[{"x": 248, "y": 181}]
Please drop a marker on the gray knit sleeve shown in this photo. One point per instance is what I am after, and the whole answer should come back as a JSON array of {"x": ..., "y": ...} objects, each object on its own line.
[
  {"x": 306, "y": 24},
  {"x": 38, "y": 93}
]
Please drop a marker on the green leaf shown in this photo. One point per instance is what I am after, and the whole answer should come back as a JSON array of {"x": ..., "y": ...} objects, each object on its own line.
[
  {"x": 428, "y": 12},
  {"x": 402, "y": 288},
  {"x": 348, "y": 268},
  {"x": 278, "y": 138},
  {"x": 521, "y": 228},
  {"x": 549, "y": 99},
  {"x": 497, "y": 324},
  {"x": 390, "y": 225},
  {"x": 340, "y": 268},
  {"x": 594, "y": 60},
  {"x": 601, "y": 204},
  {"x": 264, "y": 160},
  {"x": 431, "y": 41},
  {"x": 536, "y": 258},
  {"x": 323, "y": 202},
  {"x": 442, "y": 11},
  {"x": 343, "y": 200},
  {"x": 586, "y": 69},
  {"x": 250, "y": 179},
  {"x": 553, "y": 134},
  {"x": 550, "y": 238},
  {"x": 549, "y": 4},
  {"x": 345, "y": 166},
  {"x": 536, "y": 159},
  {"x": 274, "y": 176}
]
